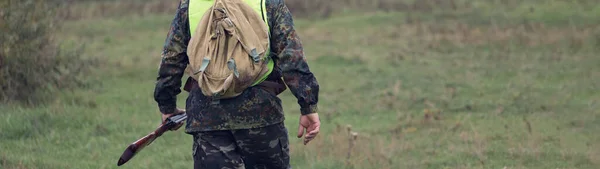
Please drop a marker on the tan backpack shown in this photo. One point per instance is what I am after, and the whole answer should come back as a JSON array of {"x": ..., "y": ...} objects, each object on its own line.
[{"x": 228, "y": 52}]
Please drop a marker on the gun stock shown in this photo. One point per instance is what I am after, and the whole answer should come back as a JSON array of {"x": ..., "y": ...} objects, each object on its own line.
[{"x": 143, "y": 142}]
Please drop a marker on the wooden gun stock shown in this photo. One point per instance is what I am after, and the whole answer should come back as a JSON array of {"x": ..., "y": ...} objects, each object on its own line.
[{"x": 141, "y": 143}]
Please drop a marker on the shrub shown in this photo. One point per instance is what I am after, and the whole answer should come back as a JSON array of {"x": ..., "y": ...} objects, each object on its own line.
[{"x": 32, "y": 63}]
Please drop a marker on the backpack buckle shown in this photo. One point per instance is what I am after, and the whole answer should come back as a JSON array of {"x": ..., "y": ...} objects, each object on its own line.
[
  {"x": 254, "y": 55},
  {"x": 215, "y": 99},
  {"x": 205, "y": 62}
]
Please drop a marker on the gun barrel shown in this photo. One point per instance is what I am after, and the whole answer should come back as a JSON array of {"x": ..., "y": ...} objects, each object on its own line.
[{"x": 178, "y": 118}]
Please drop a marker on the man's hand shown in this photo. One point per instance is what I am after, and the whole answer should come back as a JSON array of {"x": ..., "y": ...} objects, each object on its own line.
[
  {"x": 165, "y": 116},
  {"x": 310, "y": 124}
]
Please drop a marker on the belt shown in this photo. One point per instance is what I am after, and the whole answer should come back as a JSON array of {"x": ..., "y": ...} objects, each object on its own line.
[{"x": 270, "y": 86}]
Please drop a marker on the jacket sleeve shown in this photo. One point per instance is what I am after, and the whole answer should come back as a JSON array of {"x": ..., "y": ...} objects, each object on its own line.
[
  {"x": 173, "y": 61},
  {"x": 287, "y": 47}
]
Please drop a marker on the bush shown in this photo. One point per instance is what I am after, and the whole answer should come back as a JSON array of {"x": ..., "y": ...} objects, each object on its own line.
[{"x": 32, "y": 64}]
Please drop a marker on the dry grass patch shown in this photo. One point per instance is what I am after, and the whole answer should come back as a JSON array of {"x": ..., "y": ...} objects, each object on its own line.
[{"x": 106, "y": 9}]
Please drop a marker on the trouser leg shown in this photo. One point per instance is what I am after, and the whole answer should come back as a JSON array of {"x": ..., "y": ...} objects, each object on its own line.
[
  {"x": 216, "y": 150},
  {"x": 259, "y": 148},
  {"x": 265, "y": 147}
]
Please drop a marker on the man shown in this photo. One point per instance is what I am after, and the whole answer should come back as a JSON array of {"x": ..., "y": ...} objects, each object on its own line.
[{"x": 246, "y": 131}]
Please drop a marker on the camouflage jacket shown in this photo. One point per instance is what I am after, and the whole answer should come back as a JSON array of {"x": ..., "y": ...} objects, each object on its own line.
[{"x": 256, "y": 107}]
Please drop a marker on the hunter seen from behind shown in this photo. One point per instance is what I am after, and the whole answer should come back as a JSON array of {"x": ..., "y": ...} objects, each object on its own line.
[{"x": 462, "y": 84}]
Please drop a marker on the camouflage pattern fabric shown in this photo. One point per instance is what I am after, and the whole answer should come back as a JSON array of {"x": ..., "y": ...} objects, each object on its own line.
[
  {"x": 255, "y": 107},
  {"x": 259, "y": 148}
]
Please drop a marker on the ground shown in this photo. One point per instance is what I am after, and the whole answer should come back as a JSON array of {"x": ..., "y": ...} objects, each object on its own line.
[{"x": 482, "y": 87}]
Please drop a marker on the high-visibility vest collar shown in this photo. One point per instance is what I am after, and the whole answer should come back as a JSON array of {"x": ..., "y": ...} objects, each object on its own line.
[{"x": 197, "y": 8}]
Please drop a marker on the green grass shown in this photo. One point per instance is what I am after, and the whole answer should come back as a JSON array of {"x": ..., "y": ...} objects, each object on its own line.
[{"x": 421, "y": 92}]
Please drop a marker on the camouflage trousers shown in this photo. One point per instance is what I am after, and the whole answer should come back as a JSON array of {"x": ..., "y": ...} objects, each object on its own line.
[{"x": 259, "y": 148}]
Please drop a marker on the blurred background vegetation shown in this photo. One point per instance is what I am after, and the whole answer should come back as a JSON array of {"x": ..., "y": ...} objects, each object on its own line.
[
  {"x": 434, "y": 83},
  {"x": 32, "y": 62}
]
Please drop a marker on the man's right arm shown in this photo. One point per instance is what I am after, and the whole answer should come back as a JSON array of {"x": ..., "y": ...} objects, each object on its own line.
[{"x": 174, "y": 61}]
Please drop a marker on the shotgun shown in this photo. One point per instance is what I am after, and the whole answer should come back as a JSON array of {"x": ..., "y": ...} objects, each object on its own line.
[{"x": 141, "y": 143}]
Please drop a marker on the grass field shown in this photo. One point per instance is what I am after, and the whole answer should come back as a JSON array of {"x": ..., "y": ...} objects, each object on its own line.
[{"x": 484, "y": 86}]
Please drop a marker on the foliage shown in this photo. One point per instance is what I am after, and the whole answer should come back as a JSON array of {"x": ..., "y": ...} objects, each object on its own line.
[{"x": 32, "y": 63}]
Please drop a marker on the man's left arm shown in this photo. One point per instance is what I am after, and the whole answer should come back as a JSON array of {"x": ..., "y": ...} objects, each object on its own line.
[
  {"x": 300, "y": 80},
  {"x": 287, "y": 46}
]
